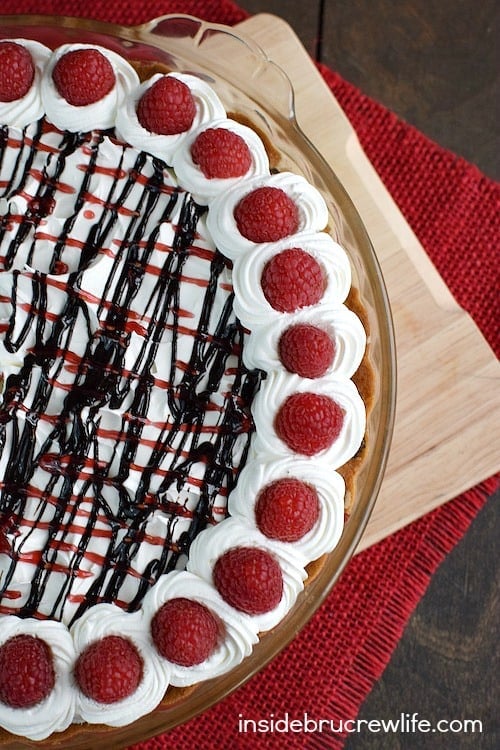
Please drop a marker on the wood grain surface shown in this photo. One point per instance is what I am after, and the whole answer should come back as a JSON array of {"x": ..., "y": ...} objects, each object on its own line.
[
  {"x": 420, "y": 63},
  {"x": 439, "y": 348}
]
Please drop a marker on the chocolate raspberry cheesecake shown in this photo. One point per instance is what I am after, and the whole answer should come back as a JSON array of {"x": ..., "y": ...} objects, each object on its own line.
[{"x": 177, "y": 402}]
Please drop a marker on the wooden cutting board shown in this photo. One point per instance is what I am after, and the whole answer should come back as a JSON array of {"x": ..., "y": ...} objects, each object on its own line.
[{"x": 447, "y": 431}]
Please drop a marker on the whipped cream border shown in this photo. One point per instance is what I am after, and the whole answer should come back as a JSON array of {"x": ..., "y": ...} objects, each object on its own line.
[
  {"x": 343, "y": 326},
  {"x": 28, "y": 108},
  {"x": 108, "y": 619},
  {"x": 268, "y": 459},
  {"x": 279, "y": 385},
  {"x": 212, "y": 542},
  {"x": 329, "y": 485},
  {"x": 251, "y": 305},
  {"x": 99, "y": 115},
  {"x": 205, "y": 190},
  {"x": 128, "y": 128},
  {"x": 238, "y": 632},
  {"x": 313, "y": 211},
  {"x": 57, "y": 711}
]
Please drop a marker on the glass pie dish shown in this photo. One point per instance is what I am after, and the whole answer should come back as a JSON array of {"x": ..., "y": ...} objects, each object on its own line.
[{"x": 259, "y": 91}]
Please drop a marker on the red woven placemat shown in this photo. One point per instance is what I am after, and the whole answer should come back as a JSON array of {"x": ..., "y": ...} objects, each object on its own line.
[{"x": 454, "y": 210}]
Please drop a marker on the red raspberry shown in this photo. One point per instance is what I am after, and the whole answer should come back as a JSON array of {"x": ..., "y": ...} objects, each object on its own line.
[
  {"x": 83, "y": 76},
  {"x": 109, "y": 670},
  {"x": 167, "y": 107},
  {"x": 292, "y": 279},
  {"x": 221, "y": 153},
  {"x": 16, "y": 71},
  {"x": 26, "y": 671},
  {"x": 267, "y": 214},
  {"x": 306, "y": 350},
  {"x": 309, "y": 422},
  {"x": 287, "y": 509},
  {"x": 249, "y": 579},
  {"x": 185, "y": 632}
]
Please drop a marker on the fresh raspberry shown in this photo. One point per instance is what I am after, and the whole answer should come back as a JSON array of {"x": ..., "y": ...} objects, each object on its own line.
[
  {"x": 109, "y": 670},
  {"x": 221, "y": 153},
  {"x": 287, "y": 509},
  {"x": 185, "y": 632},
  {"x": 292, "y": 279},
  {"x": 16, "y": 71},
  {"x": 26, "y": 671},
  {"x": 309, "y": 422},
  {"x": 267, "y": 214},
  {"x": 167, "y": 107},
  {"x": 306, "y": 350},
  {"x": 249, "y": 579},
  {"x": 83, "y": 76}
]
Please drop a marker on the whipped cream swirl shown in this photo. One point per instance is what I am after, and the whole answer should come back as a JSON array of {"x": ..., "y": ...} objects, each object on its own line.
[
  {"x": 313, "y": 211},
  {"x": 279, "y": 385},
  {"x": 208, "y": 109},
  {"x": 56, "y": 712},
  {"x": 216, "y": 540},
  {"x": 251, "y": 305},
  {"x": 104, "y": 620},
  {"x": 204, "y": 189},
  {"x": 238, "y": 635},
  {"x": 98, "y": 115},
  {"x": 29, "y": 107},
  {"x": 330, "y": 488},
  {"x": 342, "y": 325}
]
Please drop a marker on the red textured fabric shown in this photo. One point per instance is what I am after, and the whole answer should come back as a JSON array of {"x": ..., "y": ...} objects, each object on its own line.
[
  {"x": 454, "y": 210},
  {"x": 129, "y": 13},
  {"x": 451, "y": 206}
]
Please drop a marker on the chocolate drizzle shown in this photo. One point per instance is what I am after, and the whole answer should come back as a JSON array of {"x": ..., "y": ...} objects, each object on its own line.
[{"x": 105, "y": 453}]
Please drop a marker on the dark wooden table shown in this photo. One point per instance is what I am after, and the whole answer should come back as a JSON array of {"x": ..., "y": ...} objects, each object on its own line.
[{"x": 436, "y": 65}]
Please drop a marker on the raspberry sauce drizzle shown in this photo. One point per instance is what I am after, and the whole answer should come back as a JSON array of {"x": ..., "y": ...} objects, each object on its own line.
[{"x": 85, "y": 493}]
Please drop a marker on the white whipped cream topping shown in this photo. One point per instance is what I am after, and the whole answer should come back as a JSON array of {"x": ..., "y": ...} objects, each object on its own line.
[
  {"x": 55, "y": 713},
  {"x": 107, "y": 619},
  {"x": 342, "y": 325},
  {"x": 208, "y": 109},
  {"x": 313, "y": 211},
  {"x": 274, "y": 391},
  {"x": 251, "y": 305},
  {"x": 213, "y": 542},
  {"x": 238, "y": 635},
  {"x": 29, "y": 107},
  {"x": 99, "y": 280},
  {"x": 329, "y": 485},
  {"x": 98, "y": 115},
  {"x": 203, "y": 189},
  {"x": 11, "y": 363}
]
